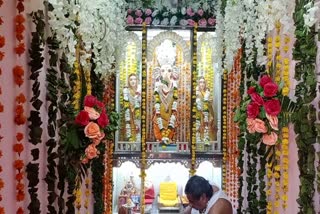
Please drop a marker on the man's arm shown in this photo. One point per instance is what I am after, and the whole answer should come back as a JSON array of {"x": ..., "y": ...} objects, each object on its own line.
[
  {"x": 222, "y": 206},
  {"x": 187, "y": 210}
]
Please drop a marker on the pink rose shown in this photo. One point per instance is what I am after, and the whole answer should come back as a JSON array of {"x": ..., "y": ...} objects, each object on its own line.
[
  {"x": 92, "y": 130},
  {"x": 202, "y": 22},
  {"x": 129, "y": 11},
  {"x": 270, "y": 89},
  {"x": 211, "y": 21},
  {"x": 273, "y": 121},
  {"x": 148, "y": 20},
  {"x": 200, "y": 12},
  {"x": 251, "y": 90},
  {"x": 191, "y": 22},
  {"x": 93, "y": 114},
  {"x": 270, "y": 139},
  {"x": 82, "y": 118},
  {"x": 250, "y": 125},
  {"x": 264, "y": 80},
  {"x": 90, "y": 100},
  {"x": 257, "y": 98},
  {"x": 148, "y": 12},
  {"x": 253, "y": 110},
  {"x": 91, "y": 151},
  {"x": 130, "y": 20},
  {"x": 103, "y": 120},
  {"x": 190, "y": 11},
  {"x": 138, "y": 13},
  {"x": 260, "y": 126},
  {"x": 272, "y": 107},
  {"x": 138, "y": 20}
]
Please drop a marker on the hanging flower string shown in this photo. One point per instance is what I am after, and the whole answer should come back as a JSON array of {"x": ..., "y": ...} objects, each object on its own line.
[
  {"x": 232, "y": 101},
  {"x": 143, "y": 115},
  {"x": 192, "y": 170},
  {"x": 2, "y": 44},
  {"x": 19, "y": 116}
]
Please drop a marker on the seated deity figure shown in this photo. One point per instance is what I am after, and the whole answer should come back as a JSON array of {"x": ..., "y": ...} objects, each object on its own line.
[
  {"x": 165, "y": 79},
  {"x": 205, "y": 124},
  {"x": 132, "y": 104}
]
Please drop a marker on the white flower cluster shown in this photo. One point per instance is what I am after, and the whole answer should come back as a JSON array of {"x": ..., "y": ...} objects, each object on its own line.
[
  {"x": 220, "y": 37},
  {"x": 233, "y": 24},
  {"x": 63, "y": 25},
  {"x": 252, "y": 20},
  {"x": 312, "y": 14},
  {"x": 100, "y": 27}
]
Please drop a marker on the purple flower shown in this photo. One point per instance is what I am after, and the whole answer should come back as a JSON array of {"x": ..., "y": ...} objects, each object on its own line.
[
  {"x": 148, "y": 20},
  {"x": 138, "y": 21},
  {"x": 202, "y": 22},
  {"x": 211, "y": 21},
  {"x": 130, "y": 20},
  {"x": 129, "y": 11},
  {"x": 200, "y": 12},
  {"x": 190, "y": 12},
  {"x": 138, "y": 13},
  {"x": 148, "y": 12},
  {"x": 191, "y": 22}
]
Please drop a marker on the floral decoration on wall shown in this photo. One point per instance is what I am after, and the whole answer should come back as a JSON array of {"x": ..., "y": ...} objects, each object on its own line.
[
  {"x": 92, "y": 120},
  {"x": 185, "y": 16}
]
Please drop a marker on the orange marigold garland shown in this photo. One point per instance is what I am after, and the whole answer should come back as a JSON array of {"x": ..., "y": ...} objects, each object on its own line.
[
  {"x": 232, "y": 101},
  {"x": 19, "y": 114}
]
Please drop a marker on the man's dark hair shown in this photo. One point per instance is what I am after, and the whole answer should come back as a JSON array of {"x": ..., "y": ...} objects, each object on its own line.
[{"x": 196, "y": 186}]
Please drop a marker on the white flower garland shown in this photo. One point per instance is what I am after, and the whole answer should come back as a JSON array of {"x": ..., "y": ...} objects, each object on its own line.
[{"x": 103, "y": 34}]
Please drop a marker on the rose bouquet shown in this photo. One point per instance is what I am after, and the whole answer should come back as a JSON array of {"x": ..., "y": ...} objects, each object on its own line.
[
  {"x": 92, "y": 120},
  {"x": 260, "y": 110}
]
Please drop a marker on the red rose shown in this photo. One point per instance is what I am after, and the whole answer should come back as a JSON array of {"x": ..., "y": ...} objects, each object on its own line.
[
  {"x": 272, "y": 107},
  {"x": 270, "y": 89},
  {"x": 251, "y": 90},
  {"x": 257, "y": 98},
  {"x": 100, "y": 104},
  {"x": 82, "y": 118},
  {"x": 264, "y": 80},
  {"x": 253, "y": 110},
  {"x": 103, "y": 120},
  {"x": 90, "y": 101}
]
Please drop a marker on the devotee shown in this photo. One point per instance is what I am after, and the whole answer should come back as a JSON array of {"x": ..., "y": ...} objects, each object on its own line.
[{"x": 205, "y": 198}]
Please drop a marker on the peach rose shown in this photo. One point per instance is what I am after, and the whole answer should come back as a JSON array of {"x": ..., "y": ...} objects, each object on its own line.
[
  {"x": 92, "y": 130},
  {"x": 98, "y": 139},
  {"x": 250, "y": 125},
  {"x": 91, "y": 151},
  {"x": 270, "y": 139},
  {"x": 93, "y": 114},
  {"x": 273, "y": 121},
  {"x": 260, "y": 126},
  {"x": 85, "y": 160}
]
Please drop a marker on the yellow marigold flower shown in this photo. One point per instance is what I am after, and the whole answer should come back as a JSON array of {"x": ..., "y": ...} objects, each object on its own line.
[
  {"x": 269, "y": 206},
  {"x": 285, "y": 160},
  {"x": 277, "y": 167},
  {"x": 285, "y": 166},
  {"x": 269, "y": 39},
  {"x": 285, "y": 91},
  {"x": 278, "y": 188},
  {"x": 285, "y": 152},
  {"x": 286, "y": 48},
  {"x": 287, "y": 39},
  {"x": 276, "y": 204},
  {"x": 277, "y": 38},
  {"x": 276, "y": 175},
  {"x": 277, "y": 44},
  {"x": 268, "y": 192},
  {"x": 277, "y": 79},
  {"x": 285, "y": 141},
  {"x": 285, "y": 129},
  {"x": 278, "y": 153},
  {"x": 284, "y": 197},
  {"x": 277, "y": 183}
]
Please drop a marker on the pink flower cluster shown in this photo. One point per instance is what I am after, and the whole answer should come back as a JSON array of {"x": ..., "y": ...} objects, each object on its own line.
[
  {"x": 271, "y": 105},
  {"x": 94, "y": 119}
]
